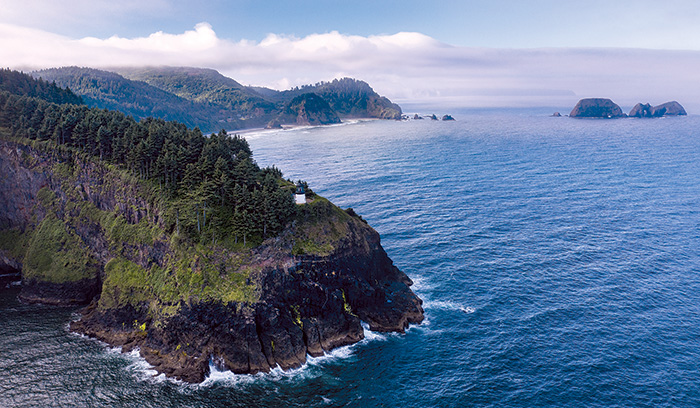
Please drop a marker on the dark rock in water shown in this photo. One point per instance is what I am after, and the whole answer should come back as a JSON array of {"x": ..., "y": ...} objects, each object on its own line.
[
  {"x": 665, "y": 109},
  {"x": 672, "y": 108},
  {"x": 417, "y": 117},
  {"x": 556, "y": 114},
  {"x": 448, "y": 117},
  {"x": 273, "y": 124},
  {"x": 433, "y": 117},
  {"x": 596, "y": 108},
  {"x": 641, "y": 110}
]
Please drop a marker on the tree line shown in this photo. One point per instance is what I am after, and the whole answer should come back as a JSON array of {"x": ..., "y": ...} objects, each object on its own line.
[{"x": 213, "y": 186}]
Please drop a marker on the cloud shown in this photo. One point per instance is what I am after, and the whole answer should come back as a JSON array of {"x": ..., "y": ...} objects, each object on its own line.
[{"x": 403, "y": 66}]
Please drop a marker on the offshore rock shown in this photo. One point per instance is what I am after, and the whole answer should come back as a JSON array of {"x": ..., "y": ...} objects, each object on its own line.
[
  {"x": 641, "y": 111},
  {"x": 596, "y": 108},
  {"x": 447, "y": 117},
  {"x": 672, "y": 108}
]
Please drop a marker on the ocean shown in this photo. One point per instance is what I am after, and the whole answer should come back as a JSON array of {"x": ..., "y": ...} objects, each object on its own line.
[{"x": 558, "y": 260}]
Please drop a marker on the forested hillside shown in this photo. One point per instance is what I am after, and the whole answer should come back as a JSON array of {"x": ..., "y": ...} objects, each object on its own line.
[
  {"x": 108, "y": 90},
  {"x": 205, "y": 98},
  {"x": 18, "y": 83},
  {"x": 203, "y": 85},
  {"x": 348, "y": 97},
  {"x": 213, "y": 183}
]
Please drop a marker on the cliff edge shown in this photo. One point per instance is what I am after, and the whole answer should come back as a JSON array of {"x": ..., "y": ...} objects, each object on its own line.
[{"x": 85, "y": 232}]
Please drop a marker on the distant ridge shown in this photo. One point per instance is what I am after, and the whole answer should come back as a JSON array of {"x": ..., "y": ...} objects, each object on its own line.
[{"x": 204, "y": 98}]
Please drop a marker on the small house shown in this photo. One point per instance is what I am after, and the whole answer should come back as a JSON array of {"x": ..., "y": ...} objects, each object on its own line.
[{"x": 300, "y": 194}]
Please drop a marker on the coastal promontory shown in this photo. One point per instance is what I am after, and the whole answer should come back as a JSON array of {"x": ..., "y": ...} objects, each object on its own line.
[{"x": 179, "y": 244}]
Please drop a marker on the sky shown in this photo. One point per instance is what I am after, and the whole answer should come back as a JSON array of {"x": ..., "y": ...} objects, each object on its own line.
[{"x": 456, "y": 53}]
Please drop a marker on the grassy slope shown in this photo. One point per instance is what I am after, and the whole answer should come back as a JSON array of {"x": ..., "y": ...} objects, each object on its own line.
[{"x": 53, "y": 250}]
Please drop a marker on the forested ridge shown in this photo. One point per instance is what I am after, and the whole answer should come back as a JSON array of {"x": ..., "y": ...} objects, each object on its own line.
[
  {"x": 212, "y": 184},
  {"x": 206, "y": 99},
  {"x": 109, "y": 90}
]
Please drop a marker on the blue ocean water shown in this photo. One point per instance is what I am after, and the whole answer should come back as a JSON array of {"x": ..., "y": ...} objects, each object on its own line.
[{"x": 559, "y": 262}]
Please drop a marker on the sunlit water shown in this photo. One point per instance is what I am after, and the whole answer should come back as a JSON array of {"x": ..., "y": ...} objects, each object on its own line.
[{"x": 558, "y": 259}]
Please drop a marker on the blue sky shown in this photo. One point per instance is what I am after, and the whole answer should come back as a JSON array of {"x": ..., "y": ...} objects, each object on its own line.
[{"x": 463, "y": 52}]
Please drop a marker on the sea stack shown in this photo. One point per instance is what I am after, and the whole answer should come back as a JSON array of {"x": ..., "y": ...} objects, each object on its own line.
[
  {"x": 672, "y": 108},
  {"x": 596, "y": 108}
]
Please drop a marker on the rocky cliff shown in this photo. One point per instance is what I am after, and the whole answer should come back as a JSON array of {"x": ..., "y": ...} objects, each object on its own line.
[
  {"x": 672, "y": 108},
  {"x": 308, "y": 109},
  {"x": 84, "y": 232},
  {"x": 596, "y": 108}
]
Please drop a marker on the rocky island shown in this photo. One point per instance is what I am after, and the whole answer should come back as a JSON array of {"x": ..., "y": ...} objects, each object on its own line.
[
  {"x": 195, "y": 255},
  {"x": 596, "y": 108},
  {"x": 672, "y": 108},
  {"x": 607, "y": 109}
]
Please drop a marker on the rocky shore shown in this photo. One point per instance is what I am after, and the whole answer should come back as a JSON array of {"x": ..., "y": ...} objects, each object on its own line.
[{"x": 303, "y": 292}]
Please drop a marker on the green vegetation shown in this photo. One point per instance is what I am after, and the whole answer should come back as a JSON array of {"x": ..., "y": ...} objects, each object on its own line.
[
  {"x": 15, "y": 242},
  {"x": 203, "y": 86},
  {"x": 108, "y": 90},
  {"x": 206, "y": 99},
  {"x": 187, "y": 208},
  {"x": 321, "y": 226},
  {"x": 56, "y": 254},
  {"x": 18, "y": 83},
  {"x": 347, "y": 96},
  {"x": 213, "y": 186}
]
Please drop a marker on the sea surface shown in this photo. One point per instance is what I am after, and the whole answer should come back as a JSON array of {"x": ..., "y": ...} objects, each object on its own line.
[{"x": 558, "y": 260}]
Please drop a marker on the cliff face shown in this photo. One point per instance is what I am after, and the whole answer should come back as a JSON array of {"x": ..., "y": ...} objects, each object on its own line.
[
  {"x": 672, "y": 108},
  {"x": 81, "y": 232},
  {"x": 596, "y": 108},
  {"x": 308, "y": 109}
]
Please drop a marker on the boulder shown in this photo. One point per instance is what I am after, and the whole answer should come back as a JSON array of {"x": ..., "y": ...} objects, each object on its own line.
[
  {"x": 433, "y": 117},
  {"x": 448, "y": 117},
  {"x": 417, "y": 117},
  {"x": 556, "y": 114},
  {"x": 596, "y": 108}
]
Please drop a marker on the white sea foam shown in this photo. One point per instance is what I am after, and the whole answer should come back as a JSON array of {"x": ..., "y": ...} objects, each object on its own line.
[
  {"x": 448, "y": 305},
  {"x": 311, "y": 369},
  {"x": 422, "y": 284}
]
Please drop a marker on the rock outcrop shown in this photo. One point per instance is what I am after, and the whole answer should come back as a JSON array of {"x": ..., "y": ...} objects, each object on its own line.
[
  {"x": 308, "y": 109},
  {"x": 596, "y": 108},
  {"x": 98, "y": 237},
  {"x": 447, "y": 117},
  {"x": 672, "y": 108}
]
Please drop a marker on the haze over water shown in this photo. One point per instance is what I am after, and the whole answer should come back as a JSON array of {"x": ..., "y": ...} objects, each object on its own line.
[{"x": 558, "y": 260}]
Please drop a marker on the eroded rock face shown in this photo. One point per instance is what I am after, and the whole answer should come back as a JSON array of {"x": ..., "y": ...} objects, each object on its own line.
[
  {"x": 665, "y": 109},
  {"x": 596, "y": 108},
  {"x": 672, "y": 108},
  {"x": 308, "y": 109}
]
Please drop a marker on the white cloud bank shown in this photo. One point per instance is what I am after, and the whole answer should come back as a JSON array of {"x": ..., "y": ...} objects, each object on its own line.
[{"x": 403, "y": 66}]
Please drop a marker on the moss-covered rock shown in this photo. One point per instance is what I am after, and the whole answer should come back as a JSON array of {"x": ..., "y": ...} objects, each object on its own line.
[{"x": 92, "y": 232}]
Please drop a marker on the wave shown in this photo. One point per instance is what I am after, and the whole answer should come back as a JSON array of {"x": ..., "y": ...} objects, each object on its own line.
[
  {"x": 259, "y": 132},
  {"x": 448, "y": 305},
  {"x": 312, "y": 368}
]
